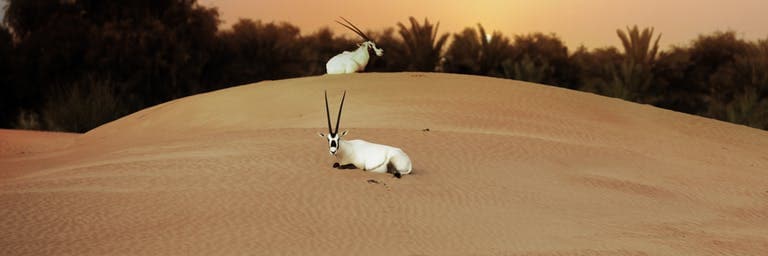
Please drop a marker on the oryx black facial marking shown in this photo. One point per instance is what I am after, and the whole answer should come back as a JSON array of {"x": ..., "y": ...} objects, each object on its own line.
[
  {"x": 333, "y": 143},
  {"x": 333, "y": 135}
]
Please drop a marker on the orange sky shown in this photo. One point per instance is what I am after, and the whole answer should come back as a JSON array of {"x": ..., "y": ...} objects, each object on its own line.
[{"x": 592, "y": 23}]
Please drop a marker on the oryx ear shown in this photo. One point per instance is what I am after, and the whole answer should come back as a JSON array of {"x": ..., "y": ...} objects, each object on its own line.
[
  {"x": 343, "y": 133},
  {"x": 321, "y": 134}
]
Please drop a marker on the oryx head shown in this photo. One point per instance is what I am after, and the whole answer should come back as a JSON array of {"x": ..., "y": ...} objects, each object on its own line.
[
  {"x": 368, "y": 42},
  {"x": 333, "y": 136},
  {"x": 372, "y": 45}
]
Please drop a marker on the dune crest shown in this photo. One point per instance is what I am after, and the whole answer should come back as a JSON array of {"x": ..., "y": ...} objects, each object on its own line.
[{"x": 501, "y": 167}]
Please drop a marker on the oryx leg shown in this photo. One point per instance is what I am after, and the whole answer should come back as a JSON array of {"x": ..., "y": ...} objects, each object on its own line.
[
  {"x": 401, "y": 163},
  {"x": 391, "y": 169},
  {"x": 381, "y": 168},
  {"x": 352, "y": 67},
  {"x": 346, "y": 166}
]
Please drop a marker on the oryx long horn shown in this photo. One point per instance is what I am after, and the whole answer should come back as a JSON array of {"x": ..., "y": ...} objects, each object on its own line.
[
  {"x": 354, "y": 28},
  {"x": 340, "y": 107},
  {"x": 327, "y": 113}
]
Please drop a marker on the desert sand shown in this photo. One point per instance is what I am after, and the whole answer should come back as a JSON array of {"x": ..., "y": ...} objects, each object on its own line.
[{"x": 505, "y": 168}]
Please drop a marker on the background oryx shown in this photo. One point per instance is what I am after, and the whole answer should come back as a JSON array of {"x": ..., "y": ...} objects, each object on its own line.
[
  {"x": 350, "y": 62},
  {"x": 362, "y": 154}
]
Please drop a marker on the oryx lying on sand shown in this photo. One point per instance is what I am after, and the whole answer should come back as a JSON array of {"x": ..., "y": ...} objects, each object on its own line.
[
  {"x": 350, "y": 62},
  {"x": 362, "y": 154}
]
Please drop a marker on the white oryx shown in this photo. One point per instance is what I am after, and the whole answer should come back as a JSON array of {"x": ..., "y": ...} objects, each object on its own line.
[
  {"x": 362, "y": 154},
  {"x": 350, "y": 62}
]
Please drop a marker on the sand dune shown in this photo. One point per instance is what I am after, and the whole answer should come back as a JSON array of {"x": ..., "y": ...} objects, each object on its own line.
[{"x": 506, "y": 168}]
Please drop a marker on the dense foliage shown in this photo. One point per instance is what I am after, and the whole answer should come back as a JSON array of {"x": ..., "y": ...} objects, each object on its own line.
[{"x": 72, "y": 65}]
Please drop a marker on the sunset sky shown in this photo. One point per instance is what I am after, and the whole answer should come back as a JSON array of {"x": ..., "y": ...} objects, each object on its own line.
[{"x": 592, "y": 23}]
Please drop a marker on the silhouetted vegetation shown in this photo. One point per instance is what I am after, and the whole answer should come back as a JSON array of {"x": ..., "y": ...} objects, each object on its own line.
[
  {"x": 543, "y": 57},
  {"x": 147, "y": 52},
  {"x": 625, "y": 75},
  {"x": 253, "y": 51},
  {"x": 8, "y": 94},
  {"x": 74, "y": 65},
  {"x": 422, "y": 45},
  {"x": 477, "y": 52}
]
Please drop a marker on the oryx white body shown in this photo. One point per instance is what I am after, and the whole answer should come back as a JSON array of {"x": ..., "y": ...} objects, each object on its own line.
[
  {"x": 372, "y": 157},
  {"x": 362, "y": 154},
  {"x": 350, "y": 62}
]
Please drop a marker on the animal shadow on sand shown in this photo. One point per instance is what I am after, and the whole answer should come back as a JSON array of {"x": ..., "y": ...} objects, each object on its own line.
[{"x": 390, "y": 169}]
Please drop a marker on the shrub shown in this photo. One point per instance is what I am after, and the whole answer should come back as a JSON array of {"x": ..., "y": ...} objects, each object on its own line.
[
  {"x": 527, "y": 70},
  {"x": 27, "y": 120},
  {"x": 545, "y": 59},
  {"x": 82, "y": 106}
]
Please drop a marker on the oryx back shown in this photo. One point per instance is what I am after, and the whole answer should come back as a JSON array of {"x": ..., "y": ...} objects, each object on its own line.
[
  {"x": 377, "y": 157},
  {"x": 351, "y": 62}
]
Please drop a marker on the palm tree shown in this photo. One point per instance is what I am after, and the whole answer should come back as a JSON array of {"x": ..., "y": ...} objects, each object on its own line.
[
  {"x": 422, "y": 46},
  {"x": 494, "y": 49},
  {"x": 463, "y": 55},
  {"x": 637, "y": 45},
  {"x": 632, "y": 78},
  {"x": 477, "y": 52},
  {"x": 395, "y": 58}
]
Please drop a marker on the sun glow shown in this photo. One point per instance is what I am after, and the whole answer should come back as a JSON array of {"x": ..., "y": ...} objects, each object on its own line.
[{"x": 592, "y": 23}]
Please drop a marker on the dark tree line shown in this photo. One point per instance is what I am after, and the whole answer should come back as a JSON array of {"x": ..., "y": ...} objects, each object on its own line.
[
  {"x": 108, "y": 58},
  {"x": 72, "y": 65}
]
